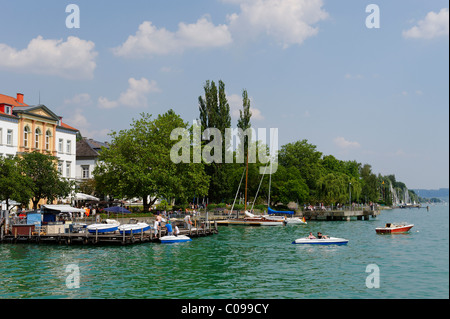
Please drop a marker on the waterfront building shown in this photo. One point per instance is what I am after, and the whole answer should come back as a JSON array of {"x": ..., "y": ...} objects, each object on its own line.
[
  {"x": 87, "y": 156},
  {"x": 26, "y": 128}
]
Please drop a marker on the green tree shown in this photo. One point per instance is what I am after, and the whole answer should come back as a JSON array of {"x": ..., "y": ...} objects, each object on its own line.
[
  {"x": 215, "y": 113},
  {"x": 14, "y": 185},
  {"x": 306, "y": 159},
  {"x": 46, "y": 182},
  {"x": 138, "y": 163},
  {"x": 243, "y": 122},
  {"x": 369, "y": 190},
  {"x": 288, "y": 185}
]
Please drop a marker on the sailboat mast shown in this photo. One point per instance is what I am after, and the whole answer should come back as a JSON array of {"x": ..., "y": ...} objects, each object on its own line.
[
  {"x": 246, "y": 179},
  {"x": 270, "y": 184}
]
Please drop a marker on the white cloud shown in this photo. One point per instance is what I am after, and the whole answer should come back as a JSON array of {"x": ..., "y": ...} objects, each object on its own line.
[
  {"x": 150, "y": 40},
  {"x": 134, "y": 96},
  {"x": 434, "y": 25},
  {"x": 355, "y": 76},
  {"x": 80, "y": 122},
  {"x": 82, "y": 99},
  {"x": 71, "y": 59},
  {"x": 344, "y": 144},
  {"x": 287, "y": 21},
  {"x": 235, "y": 102}
]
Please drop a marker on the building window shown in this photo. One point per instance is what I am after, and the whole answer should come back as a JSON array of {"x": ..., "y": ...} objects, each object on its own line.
[
  {"x": 37, "y": 133},
  {"x": 60, "y": 167},
  {"x": 85, "y": 171},
  {"x": 68, "y": 147},
  {"x": 8, "y": 109},
  {"x": 26, "y": 136},
  {"x": 48, "y": 136},
  {"x": 1, "y": 136},
  {"x": 60, "y": 145},
  {"x": 68, "y": 169},
  {"x": 9, "y": 137}
]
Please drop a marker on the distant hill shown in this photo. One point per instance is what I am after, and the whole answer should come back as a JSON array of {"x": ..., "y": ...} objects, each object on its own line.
[{"x": 430, "y": 193}]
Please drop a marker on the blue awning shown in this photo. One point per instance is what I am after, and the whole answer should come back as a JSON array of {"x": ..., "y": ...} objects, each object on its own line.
[
  {"x": 117, "y": 209},
  {"x": 271, "y": 211}
]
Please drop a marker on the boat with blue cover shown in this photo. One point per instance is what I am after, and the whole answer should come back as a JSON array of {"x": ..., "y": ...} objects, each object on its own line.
[
  {"x": 133, "y": 228},
  {"x": 108, "y": 227}
]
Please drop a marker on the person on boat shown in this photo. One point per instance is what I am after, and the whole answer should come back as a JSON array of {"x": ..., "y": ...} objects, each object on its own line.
[
  {"x": 320, "y": 236},
  {"x": 177, "y": 231},
  {"x": 169, "y": 229},
  {"x": 311, "y": 236}
]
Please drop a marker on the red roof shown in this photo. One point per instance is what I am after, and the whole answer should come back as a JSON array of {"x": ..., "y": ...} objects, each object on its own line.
[
  {"x": 68, "y": 126},
  {"x": 5, "y": 99},
  {"x": 9, "y": 100}
]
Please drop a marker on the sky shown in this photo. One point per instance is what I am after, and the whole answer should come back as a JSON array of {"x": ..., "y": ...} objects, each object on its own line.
[{"x": 361, "y": 82}]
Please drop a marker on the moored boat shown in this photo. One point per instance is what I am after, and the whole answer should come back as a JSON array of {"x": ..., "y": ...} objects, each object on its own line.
[
  {"x": 391, "y": 228},
  {"x": 175, "y": 239},
  {"x": 295, "y": 220},
  {"x": 264, "y": 220},
  {"x": 108, "y": 227},
  {"x": 321, "y": 241},
  {"x": 133, "y": 228}
]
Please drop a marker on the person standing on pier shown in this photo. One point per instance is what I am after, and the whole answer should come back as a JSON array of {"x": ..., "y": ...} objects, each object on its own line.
[{"x": 187, "y": 221}]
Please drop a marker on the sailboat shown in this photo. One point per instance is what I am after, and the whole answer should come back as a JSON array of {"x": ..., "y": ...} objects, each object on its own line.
[
  {"x": 250, "y": 219},
  {"x": 270, "y": 211}
]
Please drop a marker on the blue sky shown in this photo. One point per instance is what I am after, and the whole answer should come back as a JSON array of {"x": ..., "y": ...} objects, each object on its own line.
[{"x": 311, "y": 68}]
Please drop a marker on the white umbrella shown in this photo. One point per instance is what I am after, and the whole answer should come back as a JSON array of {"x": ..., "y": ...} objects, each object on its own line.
[{"x": 81, "y": 196}]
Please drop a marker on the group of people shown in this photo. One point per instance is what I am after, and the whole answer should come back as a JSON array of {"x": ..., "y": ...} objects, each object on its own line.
[
  {"x": 170, "y": 230},
  {"x": 319, "y": 236}
]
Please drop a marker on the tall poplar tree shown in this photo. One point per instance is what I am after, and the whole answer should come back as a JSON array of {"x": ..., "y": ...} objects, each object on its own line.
[{"x": 215, "y": 113}]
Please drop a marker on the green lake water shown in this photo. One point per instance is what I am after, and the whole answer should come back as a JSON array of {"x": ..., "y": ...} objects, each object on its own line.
[{"x": 246, "y": 262}]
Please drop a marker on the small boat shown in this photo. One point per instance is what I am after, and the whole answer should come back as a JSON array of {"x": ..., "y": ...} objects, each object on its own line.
[
  {"x": 391, "y": 228},
  {"x": 264, "y": 220},
  {"x": 110, "y": 226},
  {"x": 295, "y": 220},
  {"x": 133, "y": 228},
  {"x": 175, "y": 239},
  {"x": 321, "y": 241}
]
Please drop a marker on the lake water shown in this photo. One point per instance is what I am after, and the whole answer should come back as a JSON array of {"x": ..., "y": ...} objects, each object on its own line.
[{"x": 246, "y": 262}]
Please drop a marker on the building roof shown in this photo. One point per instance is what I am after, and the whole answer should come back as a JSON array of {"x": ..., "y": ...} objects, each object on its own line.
[
  {"x": 89, "y": 148},
  {"x": 20, "y": 107},
  {"x": 5, "y": 99}
]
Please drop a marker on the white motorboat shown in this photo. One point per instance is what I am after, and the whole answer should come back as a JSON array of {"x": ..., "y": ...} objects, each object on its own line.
[
  {"x": 175, "y": 239},
  {"x": 109, "y": 226},
  {"x": 133, "y": 228},
  {"x": 295, "y": 221},
  {"x": 321, "y": 241}
]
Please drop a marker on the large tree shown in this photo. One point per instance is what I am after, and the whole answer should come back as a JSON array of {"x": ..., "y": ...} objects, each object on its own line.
[
  {"x": 215, "y": 113},
  {"x": 46, "y": 182},
  {"x": 138, "y": 163},
  {"x": 14, "y": 185}
]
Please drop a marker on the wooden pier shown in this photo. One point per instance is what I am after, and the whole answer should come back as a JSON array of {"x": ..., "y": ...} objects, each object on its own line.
[
  {"x": 333, "y": 215},
  {"x": 114, "y": 238},
  {"x": 319, "y": 215}
]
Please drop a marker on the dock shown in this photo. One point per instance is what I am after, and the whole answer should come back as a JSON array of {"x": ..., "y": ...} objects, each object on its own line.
[
  {"x": 316, "y": 215},
  {"x": 335, "y": 215},
  {"x": 114, "y": 238}
]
